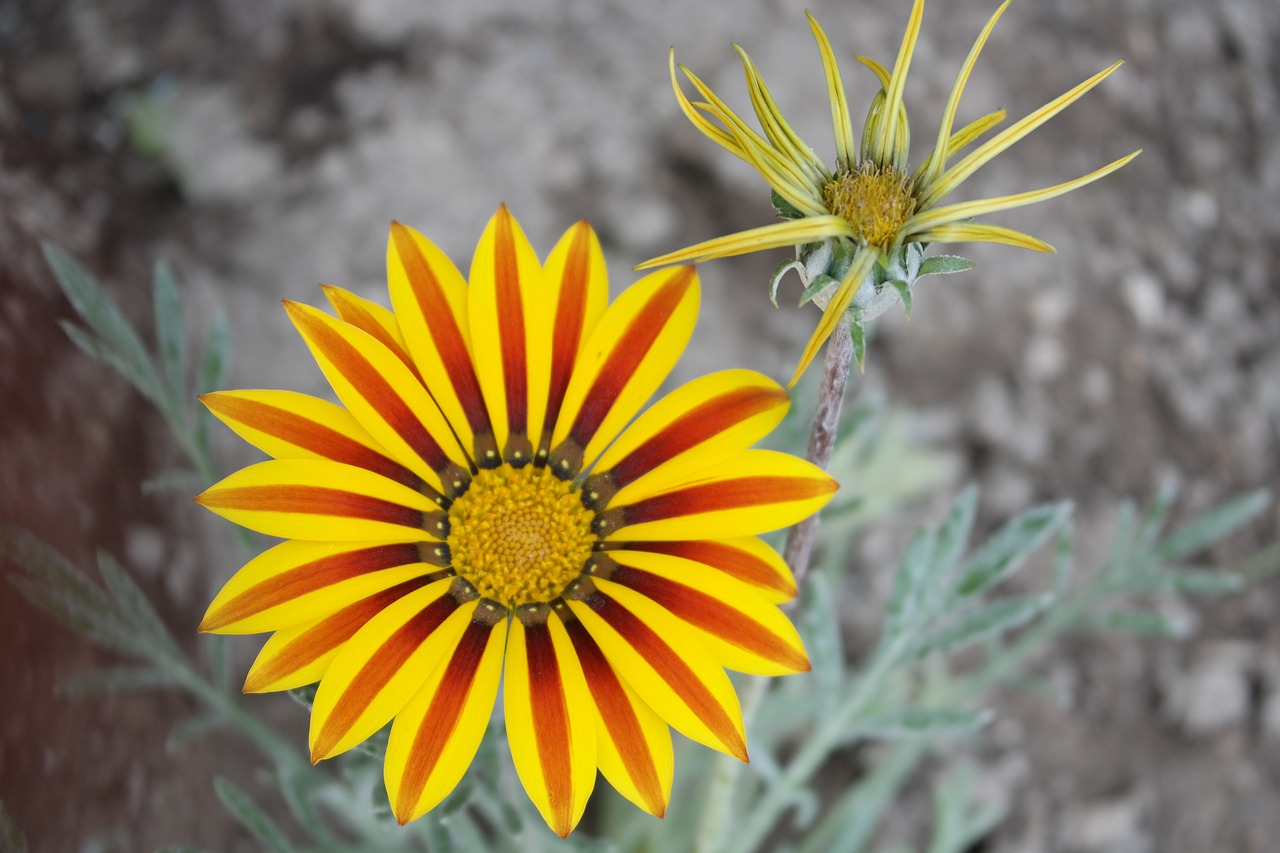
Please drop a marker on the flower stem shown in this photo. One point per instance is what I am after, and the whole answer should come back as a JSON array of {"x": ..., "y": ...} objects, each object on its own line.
[{"x": 822, "y": 440}]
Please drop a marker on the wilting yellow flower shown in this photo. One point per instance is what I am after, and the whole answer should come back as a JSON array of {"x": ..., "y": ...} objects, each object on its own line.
[
  {"x": 871, "y": 216},
  {"x": 483, "y": 493}
]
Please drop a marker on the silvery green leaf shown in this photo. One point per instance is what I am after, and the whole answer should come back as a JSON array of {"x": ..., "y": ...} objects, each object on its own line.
[
  {"x": 192, "y": 729},
  {"x": 170, "y": 331},
  {"x": 96, "y": 349},
  {"x": 904, "y": 294},
  {"x": 1157, "y": 515},
  {"x": 1141, "y": 622},
  {"x": 985, "y": 622},
  {"x": 816, "y": 287},
  {"x": 116, "y": 679},
  {"x": 911, "y": 584},
  {"x": 250, "y": 816},
  {"x": 819, "y": 625},
  {"x": 105, "y": 320},
  {"x": 56, "y": 586},
  {"x": 213, "y": 368},
  {"x": 1185, "y": 581},
  {"x": 852, "y": 820},
  {"x": 953, "y": 535},
  {"x": 1064, "y": 559},
  {"x": 1213, "y": 525},
  {"x": 921, "y": 723},
  {"x": 944, "y": 265},
  {"x": 304, "y": 696},
  {"x": 859, "y": 337},
  {"x": 958, "y": 823},
  {"x": 183, "y": 482},
  {"x": 780, "y": 273},
  {"x": 132, "y": 601},
  {"x": 1004, "y": 553},
  {"x": 1124, "y": 556},
  {"x": 785, "y": 208}
]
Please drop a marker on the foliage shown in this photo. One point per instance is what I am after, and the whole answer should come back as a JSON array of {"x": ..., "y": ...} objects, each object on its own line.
[{"x": 960, "y": 621}]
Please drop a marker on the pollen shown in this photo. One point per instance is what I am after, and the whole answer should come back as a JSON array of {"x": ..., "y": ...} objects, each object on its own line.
[
  {"x": 875, "y": 200},
  {"x": 519, "y": 535}
]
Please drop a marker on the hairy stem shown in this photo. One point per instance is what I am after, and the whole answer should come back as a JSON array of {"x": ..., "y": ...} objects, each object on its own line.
[{"x": 822, "y": 440}]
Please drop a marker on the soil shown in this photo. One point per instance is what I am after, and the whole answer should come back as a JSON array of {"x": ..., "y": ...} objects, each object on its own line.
[{"x": 263, "y": 148}]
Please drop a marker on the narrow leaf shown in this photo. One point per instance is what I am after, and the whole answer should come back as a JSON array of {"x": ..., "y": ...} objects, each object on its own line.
[
  {"x": 859, "y": 338},
  {"x": 779, "y": 274},
  {"x": 1214, "y": 525},
  {"x": 213, "y": 367},
  {"x": 180, "y": 481},
  {"x": 115, "y": 680},
  {"x": 986, "y": 622},
  {"x": 911, "y": 584},
  {"x": 104, "y": 318},
  {"x": 96, "y": 349},
  {"x": 1157, "y": 515},
  {"x": 250, "y": 816},
  {"x": 944, "y": 265},
  {"x": 955, "y": 530},
  {"x": 1185, "y": 581},
  {"x": 1004, "y": 553},
  {"x": 170, "y": 332},
  {"x": 921, "y": 723},
  {"x": 819, "y": 625},
  {"x": 57, "y": 587},
  {"x": 1140, "y": 622},
  {"x": 191, "y": 730},
  {"x": 132, "y": 601},
  {"x": 904, "y": 293},
  {"x": 817, "y": 286}
]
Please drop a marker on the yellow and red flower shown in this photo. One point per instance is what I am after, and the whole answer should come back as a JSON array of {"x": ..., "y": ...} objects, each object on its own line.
[{"x": 488, "y": 504}]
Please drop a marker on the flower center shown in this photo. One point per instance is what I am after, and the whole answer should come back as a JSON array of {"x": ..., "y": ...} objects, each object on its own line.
[
  {"x": 519, "y": 535},
  {"x": 875, "y": 200}
]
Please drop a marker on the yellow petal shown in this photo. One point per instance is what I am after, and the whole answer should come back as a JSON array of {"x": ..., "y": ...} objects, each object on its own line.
[
  {"x": 709, "y": 129},
  {"x": 950, "y": 213},
  {"x": 792, "y": 232},
  {"x": 775, "y": 125},
  {"x": 511, "y": 335},
  {"x": 667, "y": 665},
  {"x": 430, "y": 300},
  {"x": 384, "y": 397},
  {"x": 637, "y": 342},
  {"x": 956, "y": 175},
  {"x": 752, "y": 492},
  {"x": 739, "y": 627},
  {"x": 748, "y": 559},
  {"x": 550, "y": 726},
  {"x": 289, "y": 425},
  {"x": 938, "y": 159},
  {"x": 633, "y": 744},
  {"x": 968, "y": 232},
  {"x": 578, "y": 285},
  {"x": 438, "y": 732},
  {"x": 302, "y": 654},
  {"x": 853, "y": 279},
  {"x": 846, "y": 153},
  {"x": 324, "y": 501},
  {"x": 298, "y": 582},
  {"x": 372, "y": 318},
  {"x": 694, "y": 427},
  {"x": 380, "y": 668},
  {"x": 886, "y": 140}
]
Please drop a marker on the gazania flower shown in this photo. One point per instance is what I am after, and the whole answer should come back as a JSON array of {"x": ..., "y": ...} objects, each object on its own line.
[
  {"x": 485, "y": 505},
  {"x": 871, "y": 215}
]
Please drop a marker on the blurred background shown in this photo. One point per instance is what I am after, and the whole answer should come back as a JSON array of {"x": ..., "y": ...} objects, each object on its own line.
[{"x": 262, "y": 148}]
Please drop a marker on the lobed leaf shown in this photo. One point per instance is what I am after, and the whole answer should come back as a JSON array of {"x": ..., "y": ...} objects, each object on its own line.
[
  {"x": 983, "y": 623},
  {"x": 170, "y": 333},
  {"x": 1006, "y": 551},
  {"x": 251, "y": 816},
  {"x": 911, "y": 584},
  {"x": 1213, "y": 525},
  {"x": 819, "y": 625}
]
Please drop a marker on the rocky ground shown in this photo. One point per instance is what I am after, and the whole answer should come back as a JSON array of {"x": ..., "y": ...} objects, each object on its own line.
[{"x": 262, "y": 148}]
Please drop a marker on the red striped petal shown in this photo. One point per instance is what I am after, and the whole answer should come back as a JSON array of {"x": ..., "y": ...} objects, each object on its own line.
[
  {"x": 259, "y": 411},
  {"x": 748, "y": 559},
  {"x": 279, "y": 661},
  {"x": 430, "y": 317},
  {"x": 371, "y": 318}
]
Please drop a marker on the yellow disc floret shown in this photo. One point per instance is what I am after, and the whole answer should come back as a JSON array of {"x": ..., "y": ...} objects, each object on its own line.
[
  {"x": 519, "y": 535},
  {"x": 875, "y": 200}
]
